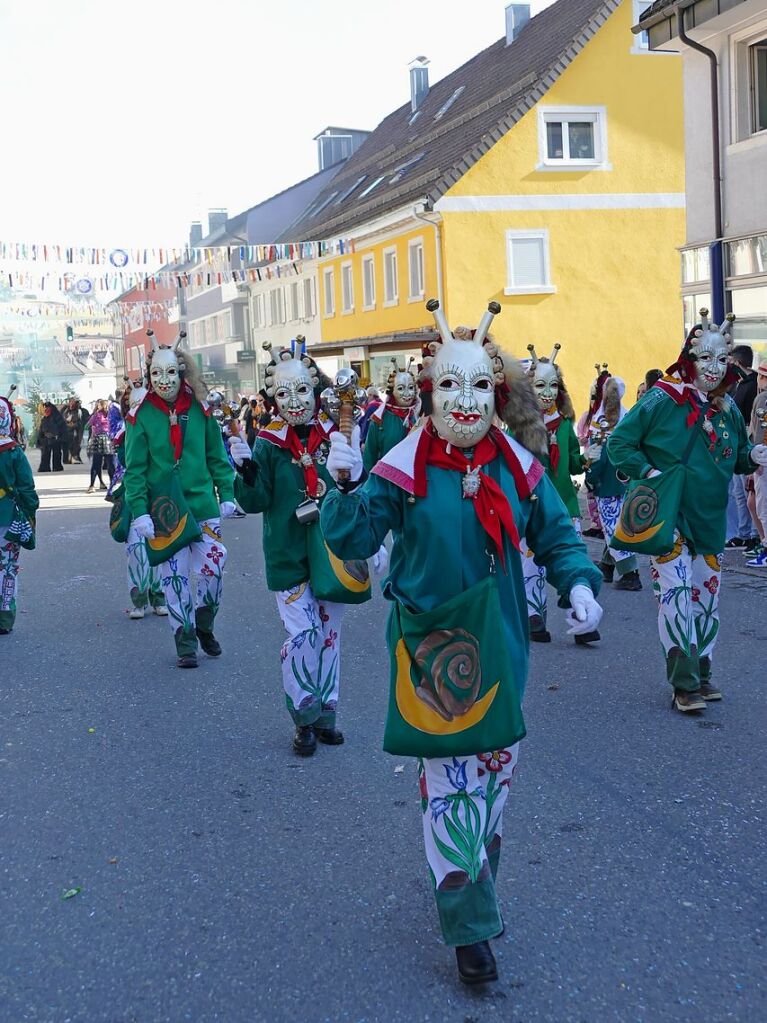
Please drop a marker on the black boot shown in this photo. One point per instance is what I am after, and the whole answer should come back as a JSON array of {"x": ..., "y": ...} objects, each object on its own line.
[
  {"x": 588, "y": 637},
  {"x": 304, "y": 741},
  {"x": 608, "y": 571},
  {"x": 209, "y": 643},
  {"x": 329, "y": 736},
  {"x": 186, "y": 648},
  {"x": 476, "y": 963},
  {"x": 629, "y": 581},
  {"x": 538, "y": 631}
]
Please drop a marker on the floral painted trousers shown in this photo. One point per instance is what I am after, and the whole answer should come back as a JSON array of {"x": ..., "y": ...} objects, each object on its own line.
[
  {"x": 609, "y": 511},
  {"x": 310, "y": 656},
  {"x": 535, "y": 580},
  {"x": 462, "y": 799},
  {"x": 9, "y": 570},
  {"x": 188, "y": 610},
  {"x": 687, "y": 588},
  {"x": 144, "y": 582}
]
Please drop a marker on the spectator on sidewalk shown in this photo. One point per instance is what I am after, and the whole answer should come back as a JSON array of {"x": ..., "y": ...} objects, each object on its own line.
[
  {"x": 51, "y": 438},
  {"x": 741, "y": 528},
  {"x": 75, "y": 418},
  {"x": 759, "y": 436},
  {"x": 100, "y": 446}
]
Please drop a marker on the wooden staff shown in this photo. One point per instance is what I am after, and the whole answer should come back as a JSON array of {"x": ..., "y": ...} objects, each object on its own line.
[{"x": 346, "y": 391}]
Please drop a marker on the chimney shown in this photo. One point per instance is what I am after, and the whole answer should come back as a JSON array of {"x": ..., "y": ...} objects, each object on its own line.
[
  {"x": 216, "y": 218},
  {"x": 517, "y": 16},
  {"x": 419, "y": 82},
  {"x": 195, "y": 234}
]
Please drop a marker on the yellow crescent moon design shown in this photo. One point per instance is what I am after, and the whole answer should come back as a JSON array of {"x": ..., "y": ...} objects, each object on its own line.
[
  {"x": 646, "y": 534},
  {"x": 348, "y": 580},
  {"x": 418, "y": 715},
  {"x": 161, "y": 543}
]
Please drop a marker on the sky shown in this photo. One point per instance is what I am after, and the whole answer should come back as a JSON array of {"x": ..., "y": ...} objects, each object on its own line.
[{"x": 123, "y": 122}]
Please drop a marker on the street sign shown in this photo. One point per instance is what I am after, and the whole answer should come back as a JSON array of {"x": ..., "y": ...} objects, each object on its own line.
[{"x": 246, "y": 355}]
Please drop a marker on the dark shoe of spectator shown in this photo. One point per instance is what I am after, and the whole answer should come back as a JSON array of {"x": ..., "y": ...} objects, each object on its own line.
[
  {"x": 752, "y": 547},
  {"x": 734, "y": 543},
  {"x": 629, "y": 581},
  {"x": 686, "y": 702}
]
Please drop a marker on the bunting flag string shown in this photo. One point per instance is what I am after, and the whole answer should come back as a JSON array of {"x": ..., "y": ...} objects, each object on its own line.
[{"x": 169, "y": 257}]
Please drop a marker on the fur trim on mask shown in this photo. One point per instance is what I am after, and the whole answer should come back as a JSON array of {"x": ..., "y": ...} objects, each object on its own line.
[
  {"x": 564, "y": 401},
  {"x": 611, "y": 402},
  {"x": 187, "y": 367},
  {"x": 521, "y": 413}
]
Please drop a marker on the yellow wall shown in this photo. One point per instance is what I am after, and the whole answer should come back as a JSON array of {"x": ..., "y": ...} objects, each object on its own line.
[
  {"x": 616, "y": 271},
  {"x": 405, "y": 315}
]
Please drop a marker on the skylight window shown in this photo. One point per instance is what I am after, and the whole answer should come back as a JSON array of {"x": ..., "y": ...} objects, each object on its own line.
[
  {"x": 446, "y": 106},
  {"x": 324, "y": 203},
  {"x": 349, "y": 190},
  {"x": 415, "y": 116},
  {"x": 401, "y": 171},
  {"x": 371, "y": 186}
]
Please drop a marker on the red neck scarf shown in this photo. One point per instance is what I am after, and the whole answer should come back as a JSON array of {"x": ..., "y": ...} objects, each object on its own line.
[
  {"x": 303, "y": 455},
  {"x": 181, "y": 406},
  {"x": 490, "y": 503},
  {"x": 552, "y": 426}
]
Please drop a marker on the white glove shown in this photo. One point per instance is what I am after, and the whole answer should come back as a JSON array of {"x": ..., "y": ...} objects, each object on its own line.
[
  {"x": 585, "y": 614},
  {"x": 344, "y": 455},
  {"x": 227, "y": 508},
  {"x": 649, "y": 475},
  {"x": 144, "y": 526},
  {"x": 593, "y": 452},
  {"x": 381, "y": 560},
  {"x": 240, "y": 450},
  {"x": 759, "y": 454}
]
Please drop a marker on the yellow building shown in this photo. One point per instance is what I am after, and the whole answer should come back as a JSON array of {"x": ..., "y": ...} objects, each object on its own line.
[{"x": 547, "y": 173}]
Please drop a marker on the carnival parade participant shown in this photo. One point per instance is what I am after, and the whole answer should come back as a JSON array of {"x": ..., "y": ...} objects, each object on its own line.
[
  {"x": 682, "y": 443},
  {"x": 18, "y": 504},
  {"x": 178, "y": 486},
  {"x": 144, "y": 580},
  {"x": 562, "y": 461},
  {"x": 759, "y": 435},
  {"x": 606, "y": 412},
  {"x": 285, "y": 477},
  {"x": 395, "y": 417},
  {"x": 458, "y": 496}
]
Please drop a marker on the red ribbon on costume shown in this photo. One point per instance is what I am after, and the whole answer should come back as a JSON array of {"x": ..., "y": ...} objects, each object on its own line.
[
  {"x": 491, "y": 504},
  {"x": 553, "y": 442},
  {"x": 182, "y": 405},
  {"x": 297, "y": 450}
]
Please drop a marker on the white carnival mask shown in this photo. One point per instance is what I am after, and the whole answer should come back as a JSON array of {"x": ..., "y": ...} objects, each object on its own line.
[
  {"x": 464, "y": 374},
  {"x": 165, "y": 369},
  {"x": 5, "y": 418},
  {"x": 710, "y": 349},
  {"x": 403, "y": 389},
  {"x": 291, "y": 382},
  {"x": 545, "y": 377}
]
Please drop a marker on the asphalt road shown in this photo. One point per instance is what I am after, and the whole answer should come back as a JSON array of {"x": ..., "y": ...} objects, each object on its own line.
[{"x": 223, "y": 879}]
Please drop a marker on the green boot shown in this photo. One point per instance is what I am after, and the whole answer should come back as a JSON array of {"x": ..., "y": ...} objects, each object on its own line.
[{"x": 186, "y": 647}]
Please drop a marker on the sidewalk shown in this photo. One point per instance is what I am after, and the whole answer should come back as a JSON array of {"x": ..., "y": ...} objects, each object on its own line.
[{"x": 60, "y": 491}]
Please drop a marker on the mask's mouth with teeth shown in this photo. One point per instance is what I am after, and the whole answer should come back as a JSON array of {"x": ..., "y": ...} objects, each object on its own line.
[{"x": 466, "y": 418}]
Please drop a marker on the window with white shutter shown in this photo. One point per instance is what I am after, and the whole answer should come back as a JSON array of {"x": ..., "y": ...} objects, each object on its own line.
[
  {"x": 391, "y": 290},
  {"x": 527, "y": 263},
  {"x": 295, "y": 312},
  {"x": 329, "y": 293},
  {"x": 368, "y": 282},
  {"x": 347, "y": 288},
  {"x": 310, "y": 309},
  {"x": 258, "y": 311},
  {"x": 415, "y": 269}
]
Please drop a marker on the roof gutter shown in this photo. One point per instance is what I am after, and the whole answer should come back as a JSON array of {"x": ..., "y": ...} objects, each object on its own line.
[{"x": 661, "y": 15}]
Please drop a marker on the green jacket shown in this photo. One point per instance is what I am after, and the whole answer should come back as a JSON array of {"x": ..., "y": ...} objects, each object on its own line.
[
  {"x": 570, "y": 464},
  {"x": 207, "y": 478},
  {"x": 276, "y": 489},
  {"x": 439, "y": 548},
  {"x": 655, "y": 434},
  {"x": 383, "y": 434},
  {"x": 17, "y": 486}
]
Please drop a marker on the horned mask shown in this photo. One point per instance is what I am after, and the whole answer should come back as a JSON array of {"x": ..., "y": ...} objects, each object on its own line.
[
  {"x": 165, "y": 368},
  {"x": 291, "y": 382},
  {"x": 709, "y": 348}
]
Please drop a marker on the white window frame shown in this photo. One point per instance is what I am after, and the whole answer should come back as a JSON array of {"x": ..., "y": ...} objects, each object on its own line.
[
  {"x": 347, "y": 288},
  {"x": 259, "y": 319},
  {"x": 596, "y": 114},
  {"x": 294, "y": 291},
  {"x": 329, "y": 289},
  {"x": 640, "y": 43},
  {"x": 415, "y": 251},
  {"x": 310, "y": 298},
  {"x": 742, "y": 113},
  {"x": 368, "y": 295},
  {"x": 388, "y": 302},
  {"x": 762, "y": 44},
  {"x": 277, "y": 306},
  {"x": 546, "y": 288}
]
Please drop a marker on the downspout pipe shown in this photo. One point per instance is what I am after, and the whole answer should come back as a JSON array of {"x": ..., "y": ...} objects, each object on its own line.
[
  {"x": 717, "y": 252},
  {"x": 419, "y": 215}
]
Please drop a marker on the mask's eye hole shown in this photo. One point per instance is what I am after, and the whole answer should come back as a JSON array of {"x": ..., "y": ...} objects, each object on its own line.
[
  {"x": 484, "y": 385},
  {"x": 449, "y": 384}
]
